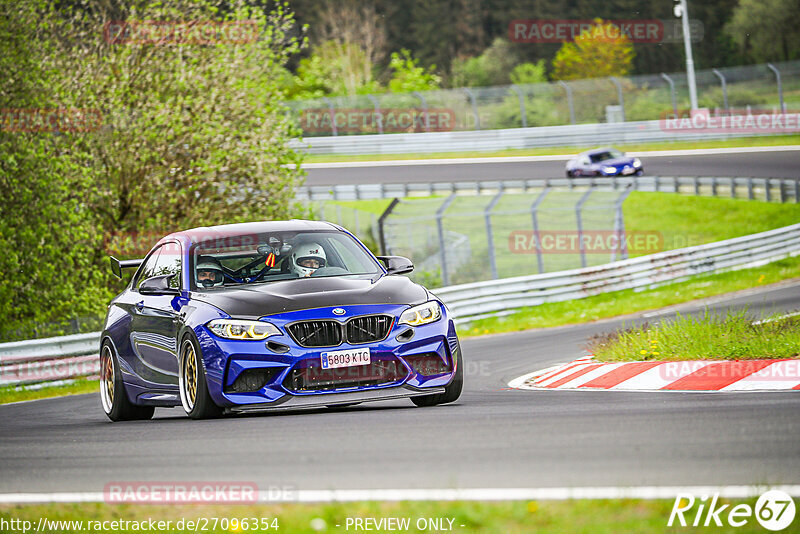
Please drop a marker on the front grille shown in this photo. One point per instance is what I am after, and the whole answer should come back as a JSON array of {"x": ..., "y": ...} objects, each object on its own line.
[
  {"x": 316, "y": 333},
  {"x": 313, "y": 377},
  {"x": 368, "y": 328},
  {"x": 326, "y": 333}
]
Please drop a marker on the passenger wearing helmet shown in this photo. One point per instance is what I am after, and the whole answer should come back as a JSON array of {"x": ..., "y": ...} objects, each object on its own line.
[
  {"x": 209, "y": 272},
  {"x": 307, "y": 258}
]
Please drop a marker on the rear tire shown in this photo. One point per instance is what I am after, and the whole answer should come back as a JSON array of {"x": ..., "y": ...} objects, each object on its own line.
[
  {"x": 451, "y": 392},
  {"x": 113, "y": 397},
  {"x": 193, "y": 384}
]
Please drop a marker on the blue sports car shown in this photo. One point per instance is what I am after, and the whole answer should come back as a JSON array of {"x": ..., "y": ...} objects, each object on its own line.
[
  {"x": 603, "y": 162},
  {"x": 270, "y": 316}
]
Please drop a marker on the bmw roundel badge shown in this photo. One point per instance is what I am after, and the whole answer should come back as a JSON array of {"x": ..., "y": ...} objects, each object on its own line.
[{"x": 339, "y": 311}]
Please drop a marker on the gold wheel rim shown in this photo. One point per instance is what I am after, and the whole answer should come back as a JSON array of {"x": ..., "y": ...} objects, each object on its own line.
[
  {"x": 109, "y": 377},
  {"x": 190, "y": 374}
]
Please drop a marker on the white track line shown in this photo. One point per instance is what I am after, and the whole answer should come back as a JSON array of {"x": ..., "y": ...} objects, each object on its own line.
[
  {"x": 465, "y": 494},
  {"x": 533, "y": 159}
]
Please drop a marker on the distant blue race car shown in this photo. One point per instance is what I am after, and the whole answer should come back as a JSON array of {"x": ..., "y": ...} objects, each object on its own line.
[
  {"x": 268, "y": 316},
  {"x": 603, "y": 162}
]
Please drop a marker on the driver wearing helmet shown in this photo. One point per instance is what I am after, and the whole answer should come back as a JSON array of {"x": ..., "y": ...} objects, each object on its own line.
[
  {"x": 209, "y": 272},
  {"x": 307, "y": 258}
]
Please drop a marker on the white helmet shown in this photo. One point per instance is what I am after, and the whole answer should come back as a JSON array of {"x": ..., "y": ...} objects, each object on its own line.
[
  {"x": 211, "y": 272},
  {"x": 305, "y": 256}
]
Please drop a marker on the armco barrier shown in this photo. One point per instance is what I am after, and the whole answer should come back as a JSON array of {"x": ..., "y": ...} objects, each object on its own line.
[
  {"x": 44, "y": 360},
  {"x": 768, "y": 189},
  {"x": 538, "y": 137},
  {"x": 50, "y": 359},
  {"x": 483, "y": 299}
]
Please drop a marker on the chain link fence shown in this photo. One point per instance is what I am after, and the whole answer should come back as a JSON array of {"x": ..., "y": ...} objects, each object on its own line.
[
  {"x": 459, "y": 239},
  {"x": 773, "y": 87}
]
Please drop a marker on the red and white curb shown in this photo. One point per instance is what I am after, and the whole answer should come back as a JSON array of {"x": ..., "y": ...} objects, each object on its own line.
[{"x": 739, "y": 375}]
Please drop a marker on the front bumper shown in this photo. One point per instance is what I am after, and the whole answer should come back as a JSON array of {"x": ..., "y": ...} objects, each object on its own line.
[{"x": 291, "y": 377}]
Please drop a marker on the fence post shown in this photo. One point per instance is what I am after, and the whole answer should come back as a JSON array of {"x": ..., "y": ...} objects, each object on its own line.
[
  {"x": 767, "y": 192},
  {"x": 332, "y": 112},
  {"x": 568, "y": 89},
  {"x": 713, "y": 186},
  {"x": 378, "y": 115},
  {"x": 722, "y": 82},
  {"x": 619, "y": 224},
  {"x": 440, "y": 231},
  {"x": 672, "y": 94},
  {"x": 579, "y": 221},
  {"x": 382, "y": 221},
  {"x": 487, "y": 215},
  {"x": 774, "y": 69},
  {"x": 471, "y": 96},
  {"x": 616, "y": 82},
  {"x": 797, "y": 191},
  {"x": 733, "y": 187},
  {"x": 697, "y": 186},
  {"x": 424, "y": 109},
  {"x": 534, "y": 210},
  {"x": 749, "y": 189},
  {"x": 522, "y": 113},
  {"x": 782, "y": 193}
]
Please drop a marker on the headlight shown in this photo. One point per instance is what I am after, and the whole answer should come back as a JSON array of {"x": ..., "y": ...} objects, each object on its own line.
[
  {"x": 242, "y": 329},
  {"x": 422, "y": 314},
  {"x": 610, "y": 170},
  {"x": 637, "y": 162}
]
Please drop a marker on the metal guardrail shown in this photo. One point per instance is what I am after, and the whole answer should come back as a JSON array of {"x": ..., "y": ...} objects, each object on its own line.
[
  {"x": 495, "y": 297},
  {"x": 50, "y": 359},
  {"x": 769, "y": 189},
  {"x": 511, "y": 138}
]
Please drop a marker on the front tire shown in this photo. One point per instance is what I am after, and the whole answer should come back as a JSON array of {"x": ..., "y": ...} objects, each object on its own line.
[
  {"x": 192, "y": 383},
  {"x": 113, "y": 398},
  {"x": 451, "y": 392}
]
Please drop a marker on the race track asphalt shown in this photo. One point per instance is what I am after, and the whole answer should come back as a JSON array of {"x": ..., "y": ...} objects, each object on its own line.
[
  {"x": 768, "y": 164},
  {"x": 492, "y": 437}
]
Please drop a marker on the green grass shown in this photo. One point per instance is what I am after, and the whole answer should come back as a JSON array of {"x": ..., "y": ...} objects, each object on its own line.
[
  {"x": 628, "y": 301},
  {"x": 707, "y": 337},
  {"x": 591, "y": 516},
  {"x": 22, "y": 393},
  {"x": 686, "y": 221},
  {"x": 776, "y": 140}
]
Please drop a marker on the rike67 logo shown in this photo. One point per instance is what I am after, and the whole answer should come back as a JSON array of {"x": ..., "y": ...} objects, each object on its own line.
[{"x": 774, "y": 510}]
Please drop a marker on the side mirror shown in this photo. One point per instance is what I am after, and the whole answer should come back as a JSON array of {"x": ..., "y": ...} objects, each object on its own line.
[
  {"x": 158, "y": 285},
  {"x": 397, "y": 264}
]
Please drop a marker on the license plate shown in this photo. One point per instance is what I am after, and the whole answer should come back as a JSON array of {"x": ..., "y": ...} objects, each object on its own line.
[
  {"x": 345, "y": 358},
  {"x": 627, "y": 170}
]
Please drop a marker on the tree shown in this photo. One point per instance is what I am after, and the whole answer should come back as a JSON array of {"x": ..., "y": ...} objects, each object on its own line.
[
  {"x": 189, "y": 133},
  {"x": 766, "y": 30},
  {"x": 597, "y": 52},
  {"x": 408, "y": 76},
  {"x": 492, "y": 67}
]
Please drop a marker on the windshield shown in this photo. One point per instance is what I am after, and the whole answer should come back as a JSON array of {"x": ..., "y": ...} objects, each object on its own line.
[
  {"x": 606, "y": 155},
  {"x": 271, "y": 257}
]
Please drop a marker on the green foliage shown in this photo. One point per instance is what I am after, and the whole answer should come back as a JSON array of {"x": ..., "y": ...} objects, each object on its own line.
[
  {"x": 529, "y": 73},
  {"x": 409, "y": 76},
  {"x": 187, "y": 135},
  {"x": 766, "y": 30},
  {"x": 492, "y": 67},
  {"x": 597, "y": 52}
]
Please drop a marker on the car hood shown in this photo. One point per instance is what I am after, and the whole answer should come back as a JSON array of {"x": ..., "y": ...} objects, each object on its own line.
[{"x": 259, "y": 300}]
